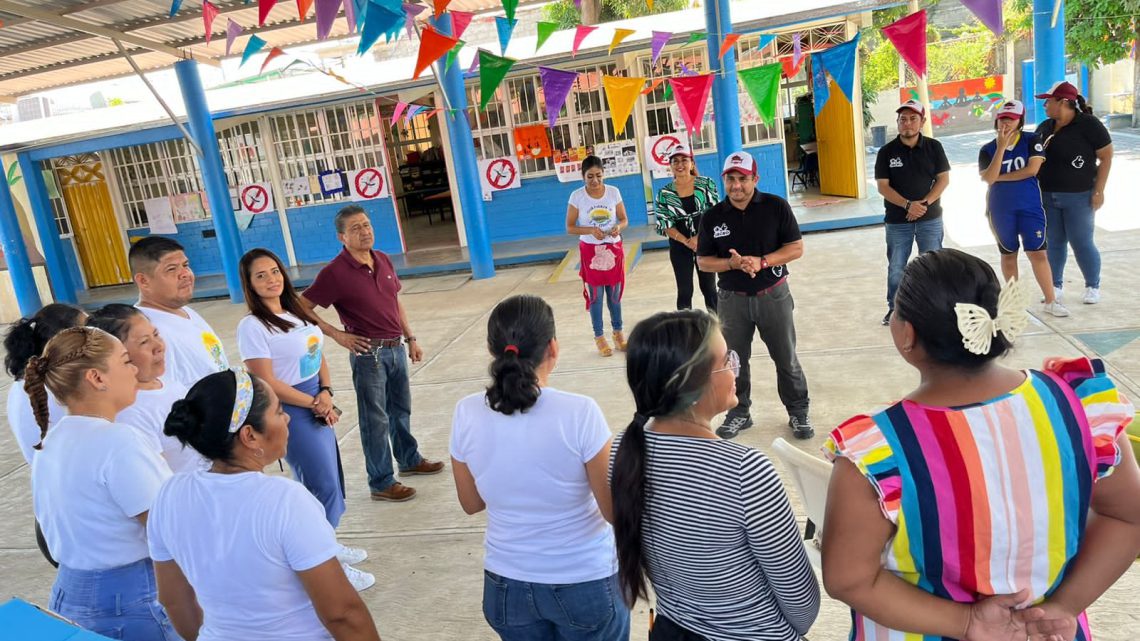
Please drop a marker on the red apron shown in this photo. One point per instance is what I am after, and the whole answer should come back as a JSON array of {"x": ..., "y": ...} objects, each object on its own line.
[{"x": 601, "y": 265}]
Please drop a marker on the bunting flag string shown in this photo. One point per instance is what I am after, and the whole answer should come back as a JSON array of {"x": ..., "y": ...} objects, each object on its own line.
[
  {"x": 411, "y": 12},
  {"x": 556, "y": 86},
  {"x": 359, "y": 11},
  {"x": 839, "y": 63},
  {"x": 730, "y": 41},
  {"x": 209, "y": 12},
  {"x": 653, "y": 85},
  {"x": 908, "y": 35},
  {"x": 763, "y": 86},
  {"x": 989, "y": 12},
  {"x": 233, "y": 30},
  {"x": 273, "y": 53},
  {"x": 303, "y": 7},
  {"x": 657, "y": 44},
  {"x": 398, "y": 111},
  {"x": 545, "y": 29},
  {"x": 509, "y": 7},
  {"x": 440, "y": 6},
  {"x": 692, "y": 96},
  {"x": 433, "y": 46},
  {"x": 263, "y": 9},
  {"x": 460, "y": 20},
  {"x": 765, "y": 40},
  {"x": 474, "y": 65},
  {"x": 619, "y": 35},
  {"x": 326, "y": 13},
  {"x": 621, "y": 94},
  {"x": 379, "y": 20},
  {"x": 350, "y": 10},
  {"x": 580, "y": 33},
  {"x": 696, "y": 37},
  {"x": 797, "y": 51},
  {"x": 254, "y": 45},
  {"x": 492, "y": 70},
  {"x": 790, "y": 68},
  {"x": 505, "y": 26}
]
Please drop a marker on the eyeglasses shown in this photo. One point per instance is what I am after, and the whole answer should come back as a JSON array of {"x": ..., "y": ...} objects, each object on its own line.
[{"x": 732, "y": 363}]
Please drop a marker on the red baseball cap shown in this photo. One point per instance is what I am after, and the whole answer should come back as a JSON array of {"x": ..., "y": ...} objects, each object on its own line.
[
  {"x": 740, "y": 162},
  {"x": 1012, "y": 109},
  {"x": 1061, "y": 91}
]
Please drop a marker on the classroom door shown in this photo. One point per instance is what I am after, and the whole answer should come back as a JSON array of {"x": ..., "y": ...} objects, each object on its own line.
[
  {"x": 835, "y": 133},
  {"x": 98, "y": 240}
]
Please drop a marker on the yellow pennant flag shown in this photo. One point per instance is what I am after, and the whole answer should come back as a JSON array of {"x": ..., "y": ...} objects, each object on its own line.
[
  {"x": 650, "y": 4},
  {"x": 622, "y": 95},
  {"x": 619, "y": 35}
]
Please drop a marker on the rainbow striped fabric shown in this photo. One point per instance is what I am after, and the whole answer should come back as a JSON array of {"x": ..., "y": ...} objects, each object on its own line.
[{"x": 989, "y": 498}]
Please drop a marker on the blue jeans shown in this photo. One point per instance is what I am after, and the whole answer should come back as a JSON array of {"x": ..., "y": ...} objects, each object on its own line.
[
  {"x": 901, "y": 238},
  {"x": 313, "y": 454},
  {"x": 588, "y": 611},
  {"x": 120, "y": 603},
  {"x": 1070, "y": 221},
  {"x": 384, "y": 406},
  {"x": 612, "y": 295}
]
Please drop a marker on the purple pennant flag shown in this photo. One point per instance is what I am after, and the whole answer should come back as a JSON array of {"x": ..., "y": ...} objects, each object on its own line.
[
  {"x": 474, "y": 65},
  {"x": 326, "y": 13},
  {"x": 411, "y": 11},
  {"x": 413, "y": 112},
  {"x": 660, "y": 39},
  {"x": 686, "y": 71},
  {"x": 797, "y": 51},
  {"x": 988, "y": 11},
  {"x": 556, "y": 86},
  {"x": 233, "y": 30},
  {"x": 350, "y": 15}
]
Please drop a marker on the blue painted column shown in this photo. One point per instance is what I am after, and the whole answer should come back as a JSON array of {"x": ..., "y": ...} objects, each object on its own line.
[
  {"x": 466, "y": 165},
  {"x": 63, "y": 289},
  {"x": 1028, "y": 90},
  {"x": 16, "y": 255},
  {"x": 1048, "y": 47},
  {"x": 201, "y": 126},
  {"x": 725, "y": 91}
]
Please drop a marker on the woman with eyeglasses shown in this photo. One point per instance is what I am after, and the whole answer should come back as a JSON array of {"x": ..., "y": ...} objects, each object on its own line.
[
  {"x": 679, "y": 207},
  {"x": 702, "y": 520}
]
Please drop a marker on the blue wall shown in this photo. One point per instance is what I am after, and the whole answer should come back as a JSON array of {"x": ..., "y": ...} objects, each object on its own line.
[
  {"x": 264, "y": 231},
  {"x": 314, "y": 233},
  {"x": 71, "y": 257}
]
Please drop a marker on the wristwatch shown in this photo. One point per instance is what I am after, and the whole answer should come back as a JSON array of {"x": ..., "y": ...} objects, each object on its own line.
[{"x": 325, "y": 388}]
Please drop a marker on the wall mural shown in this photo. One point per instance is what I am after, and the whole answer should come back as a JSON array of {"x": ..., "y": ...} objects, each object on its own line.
[{"x": 957, "y": 107}]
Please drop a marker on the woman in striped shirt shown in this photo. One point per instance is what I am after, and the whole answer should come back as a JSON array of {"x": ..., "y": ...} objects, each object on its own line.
[
  {"x": 679, "y": 207},
  {"x": 972, "y": 495},
  {"x": 704, "y": 521}
]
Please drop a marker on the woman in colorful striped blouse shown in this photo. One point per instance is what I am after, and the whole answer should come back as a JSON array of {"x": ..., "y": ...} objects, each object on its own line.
[
  {"x": 679, "y": 207},
  {"x": 980, "y": 484}
]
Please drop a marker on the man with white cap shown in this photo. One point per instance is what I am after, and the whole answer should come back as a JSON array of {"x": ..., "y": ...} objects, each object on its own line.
[
  {"x": 748, "y": 240},
  {"x": 911, "y": 171}
]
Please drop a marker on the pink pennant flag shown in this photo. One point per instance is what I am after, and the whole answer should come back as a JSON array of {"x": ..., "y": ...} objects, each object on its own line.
[
  {"x": 459, "y": 22},
  {"x": 657, "y": 45},
  {"x": 692, "y": 95},
  {"x": 797, "y": 51},
  {"x": 908, "y": 35},
  {"x": 580, "y": 33},
  {"x": 233, "y": 30},
  {"x": 263, "y": 9},
  {"x": 326, "y": 13},
  {"x": 209, "y": 12},
  {"x": 411, "y": 11},
  {"x": 400, "y": 107}
]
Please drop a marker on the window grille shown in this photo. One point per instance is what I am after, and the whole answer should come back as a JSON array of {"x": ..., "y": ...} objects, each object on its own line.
[
  {"x": 58, "y": 206},
  {"x": 153, "y": 170}
]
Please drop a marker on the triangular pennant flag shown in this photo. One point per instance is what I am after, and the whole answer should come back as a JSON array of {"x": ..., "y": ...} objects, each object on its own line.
[
  {"x": 580, "y": 33},
  {"x": 839, "y": 62},
  {"x": 360, "y": 12},
  {"x": 509, "y": 7},
  {"x": 474, "y": 64},
  {"x": 505, "y": 26},
  {"x": 649, "y": 3},
  {"x": 326, "y": 13},
  {"x": 621, "y": 94},
  {"x": 273, "y": 53},
  {"x": 350, "y": 15},
  {"x": 410, "y": 13},
  {"x": 263, "y": 9},
  {"x": 790, "y": 68},
  {"x": 379, "y": 20},
  {"x": 556, "y": 86},
  {"x": 820, "y": 90},
  {"x": 460, "y": 20},
  {"x": 413, "y": 112},
  {"x": 988, "y": 12},
  {"x": 400, "y": 107},
  {"x": 765, "y": 40},
  {"x": 544, "y": 31},
  {"x": 908, "y": 35},
  {"x": 668, "y": 95},
  {"x": 432, "y": 112},
  {"x": 233, "y": 30},
  {"x": 692, "y": 96},
  {"x": 619, "y": 35},
  {"x": 440, "y": 5},
  {"x": 174, "y": 7},
  {"x": 797, "y": 50},
  {"x": 653, "y": 85},
  {"x": 730, "y": 40},
  {"x": 254, "y": 45},
  {"x": 433, "y": 46},
  {"x": 657, "y": 45},
  {"x": 492, "y": 70},
  {"x": 453, "y": 55},
  {"x": 303, "y": 7},
  {"x": 763, "y": 86},
  {"x": 209, "y": 12},
  {"x": 696, "y": 37},
  {"x": 686, "y": 71}
]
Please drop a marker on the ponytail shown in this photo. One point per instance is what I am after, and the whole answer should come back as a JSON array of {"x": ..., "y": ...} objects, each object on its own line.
[
  {"x": 1082, "y": 106},
  {"x": 627, "y": 488},
  {"x": 28, "y": 336},
  {"x": 519, "y": 333},
  {"x": 37, "y": 394},
  {"x": 514, "y": 383}
]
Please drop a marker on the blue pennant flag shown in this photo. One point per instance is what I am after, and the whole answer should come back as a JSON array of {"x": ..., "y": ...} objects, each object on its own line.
[
  {"x": 254, "y": 45},
  {"x": 765, "y": 40},
  {"x": 505, "y": 27},
  {"x": 839, "y": 61},
  {"x": 820, "y": 90},
  {"x": 380, "y": 20}
]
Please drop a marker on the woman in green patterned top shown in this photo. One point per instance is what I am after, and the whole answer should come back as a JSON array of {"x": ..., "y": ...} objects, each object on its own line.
[{"x": 679, "y": 207}]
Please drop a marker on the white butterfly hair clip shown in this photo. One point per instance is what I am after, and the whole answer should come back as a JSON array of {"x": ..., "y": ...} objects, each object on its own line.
[{"x": 978, "y": 328}]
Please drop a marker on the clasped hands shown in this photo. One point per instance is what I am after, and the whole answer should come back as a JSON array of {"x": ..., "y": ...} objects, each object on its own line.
[
  {"x": 997, "y": 618},
  {"x": 750, "y": 265}
]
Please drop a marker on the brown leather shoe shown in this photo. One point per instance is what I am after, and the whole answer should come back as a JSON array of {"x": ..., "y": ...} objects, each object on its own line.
[
  {"x": 396, "y": 493},
  {"x": 425, "y": 468}
]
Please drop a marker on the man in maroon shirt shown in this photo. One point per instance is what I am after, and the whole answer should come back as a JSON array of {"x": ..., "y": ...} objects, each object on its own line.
[{"x": 361, "y": 284}]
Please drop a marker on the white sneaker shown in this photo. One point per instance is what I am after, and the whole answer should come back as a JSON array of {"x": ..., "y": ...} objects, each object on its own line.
[
  {"x": 1092, "y": 295},
  {"x": 359, "y": 579},
  {"x": 350, "y": 556},
  {"x": 1056, "y": 308},
  {"x": 1057, "y": 293}
]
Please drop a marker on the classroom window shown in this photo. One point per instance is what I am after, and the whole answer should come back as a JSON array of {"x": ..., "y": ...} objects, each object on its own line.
[{"x": 155, "y": 170}]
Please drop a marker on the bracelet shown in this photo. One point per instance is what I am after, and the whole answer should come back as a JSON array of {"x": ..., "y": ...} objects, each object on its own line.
[
  {"x": 325, "y": 388},
  {"x": 763, "y": 263},
  {"x": 906, "y": 207},
  {"x": 409, "y": 339}
]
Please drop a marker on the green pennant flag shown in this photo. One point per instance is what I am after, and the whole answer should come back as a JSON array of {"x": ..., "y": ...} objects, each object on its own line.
[
  {"x": 696, "y": 37},
  {"x": 668, "y": 92},
  {"x": 453, "y": 55},
  {"x": 763, "y": 86},
  {"x": 544, "y": 31},
  {"x": 492, "y": 70},
  {"x": 509, "y": 7}
]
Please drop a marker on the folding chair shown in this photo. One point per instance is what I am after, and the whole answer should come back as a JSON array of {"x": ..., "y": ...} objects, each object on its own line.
[{"x": 811, "y": 475}]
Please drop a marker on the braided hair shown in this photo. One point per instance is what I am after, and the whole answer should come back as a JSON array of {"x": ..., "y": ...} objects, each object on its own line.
[{"x": 60, "y": 370}]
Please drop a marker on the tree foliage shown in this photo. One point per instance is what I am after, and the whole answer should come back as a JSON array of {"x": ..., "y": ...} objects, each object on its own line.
[
  {"x": 566, "y": 14},
  {"x": 1100, "y": 32}
]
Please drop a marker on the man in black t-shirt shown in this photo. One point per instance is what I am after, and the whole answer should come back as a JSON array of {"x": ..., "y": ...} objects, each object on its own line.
[
  {"x": 912, "y": 171},
  {"x": 748, "y": 240}
]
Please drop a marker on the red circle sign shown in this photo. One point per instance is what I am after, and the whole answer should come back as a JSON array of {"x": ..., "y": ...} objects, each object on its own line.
[
  {"x": 254, "y": 199},
  {"x": 500, "y": 173},
  {"x": 369, "y": 183},
  {"x": 661, "y": 149}
]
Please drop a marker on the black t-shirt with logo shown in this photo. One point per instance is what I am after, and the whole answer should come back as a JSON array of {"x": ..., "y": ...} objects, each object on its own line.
[
  {"x": 911, "y": 171},
  {"x": 764, "y": 227},
  {"x": 1070, "y": 154}
]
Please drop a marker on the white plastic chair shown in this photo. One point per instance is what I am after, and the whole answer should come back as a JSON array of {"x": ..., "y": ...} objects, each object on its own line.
[{"x": 811, "y": 475}]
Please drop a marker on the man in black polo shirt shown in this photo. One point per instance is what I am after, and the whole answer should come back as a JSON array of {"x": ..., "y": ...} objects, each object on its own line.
[
  {"x": 749, "y": 240},
  {"x": 912, "y": 172}
]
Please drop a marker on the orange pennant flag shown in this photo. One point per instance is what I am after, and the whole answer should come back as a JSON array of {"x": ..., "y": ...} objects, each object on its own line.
[
  {"x": 303, "y": 7},
  {"x": 729, "y": 43},
  {"x": 656, "y": 82},
  {"x": 433, "y": 46},
  {"x": 649, "y": 3},
  {"x": 619, "y": 35},
  {"x": 440, "y": 5},
  {"x": 273, "y": 53}
]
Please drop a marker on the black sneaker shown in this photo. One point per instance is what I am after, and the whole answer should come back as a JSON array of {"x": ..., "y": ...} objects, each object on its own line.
[
  {"x": 887, "y": 319},
  {"x": 733, "y": 425},
  {"x": 801, "y": 426}
]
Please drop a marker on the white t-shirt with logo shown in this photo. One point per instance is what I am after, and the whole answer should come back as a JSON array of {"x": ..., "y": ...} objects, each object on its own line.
[
  {"x": 241, "y": 539},
  {"x": 89, "y": 483},
  {"x": 296, "y": 355},
  {"x": 148, "y": 416},
  {"x": 597, "y": 212},
  {"x": 543, "y": 524},
  {"x": 193, "y": 349},
  {"x": 22, "y": 419}
]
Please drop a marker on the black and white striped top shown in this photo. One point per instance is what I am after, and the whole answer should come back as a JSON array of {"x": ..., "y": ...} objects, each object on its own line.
[{"x": 723, "y": 551}]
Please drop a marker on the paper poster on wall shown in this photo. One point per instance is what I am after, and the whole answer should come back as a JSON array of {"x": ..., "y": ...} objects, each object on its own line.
[
  {"x": 188, "y": 207},
  {"x": 334, "y": 182},
  {"x": 658, "y": 149},
  {"x": 368, "y": 183},
  {"x": 296, "y": 187},
  {"x": 160, "y": 216},
  {"x": 532, "y": 141},
  {"x": 497, "y": 174},
  {"x": 619, "y": 158},
  {"x": 568, "y": 172},
  {"x": 256, "y": 198}
]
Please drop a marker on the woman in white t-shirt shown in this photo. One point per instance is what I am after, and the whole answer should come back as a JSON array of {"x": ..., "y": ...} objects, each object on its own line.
[
  {"x": 240, "y": 554},
  {"x": 536, "y": 459},
  {"x": 596, "y": 214},
  {"x": 93, "y": 483},
  {"x": 156, "y": 394},
  {"x": 281, "y": 344}
]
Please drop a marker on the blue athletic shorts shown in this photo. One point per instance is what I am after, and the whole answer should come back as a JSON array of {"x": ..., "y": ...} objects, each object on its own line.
[{"x": 1024, "y": 228}]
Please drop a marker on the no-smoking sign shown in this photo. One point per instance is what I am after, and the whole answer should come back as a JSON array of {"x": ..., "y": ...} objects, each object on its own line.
[
  {"x": 256, "y": 198},
  {"x": 659, "y": 148},
  {"x": 497, "y": 174},
  {"x": 368, "y": 183}
]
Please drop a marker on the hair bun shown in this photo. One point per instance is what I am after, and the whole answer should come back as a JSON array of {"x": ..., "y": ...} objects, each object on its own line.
[{"x": 183, "y": 421}]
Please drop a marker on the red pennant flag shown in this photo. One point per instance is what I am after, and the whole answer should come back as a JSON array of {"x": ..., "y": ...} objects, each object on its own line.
[
  {"x": 433, "y": 46},
  {"x": 692, "y": 96},
  {"x": 440, "y": 5},
  {"x": 263, "y": 9},
  {"x": 433, "y": 112},
  {"x": 459, "y": 22},
  {"x": 273, "y": 53},
  {"x": 209, "y": 12},
  {"x": 303, "y": 7},
  {"x": 729, "y": 42},
  {"x": 648, "y": 90},
  {"x": 908, "y": 35},
  {"x": 580, "y": 33},
  {"x": 791, "y": 69}
]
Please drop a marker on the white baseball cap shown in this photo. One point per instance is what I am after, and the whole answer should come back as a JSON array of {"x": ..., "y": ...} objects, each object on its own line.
[
  {"x": 680, "y": 149},
  {"x": 1012, "y": 109},
  {"x": 914, "y": 106},
  {"x": 741, "y": 162}
]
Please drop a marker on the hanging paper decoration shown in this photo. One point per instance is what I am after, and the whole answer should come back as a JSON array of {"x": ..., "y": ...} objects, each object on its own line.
[
  {"x": 263, "y": 9},
  {"x": 556, "y": 86},
  {"x": 174, "y": 7},
  {"x": 790, "y": 69},
  {"x": 505, "y": 27},
  {"x": 273, "y": 53},
  {"x": 303, "y": 7},
  {"x": 839, "y": 63},
  {"x": 433, "y": 112},
  {"x": 474, "y": 65},
  {"x": 326, "y": 13},
  {"x": 657, "y": 44},
  {"x": 209, "y": 12},
  {"x": 692, "y": 96},
  {"x": 509, "y": 7},
  {"x": 763, "y": 86},
  {"x": 410, "y": 13},
  {"x": 433, "y": 46},
  {"x": 621, "y": 94},
  {"x": 233, "y": 30},
  {"x": 350, "y": 8},
  {"x": 908, "y": 35},
  {"x": 379, "y": 20},
  {"x": 797, "y": 50},
  {"x": 453, "y": 55},
  {"x": 686, "y": 70},
  {"x": 820, "y": 90},
  {"x": 440, "y": 5},
  {"x": 413, "y": 112},
  {"x": 649, "y": 3},
  {"x": 765, "y": 40},
  {"x": 398, "y": 111},
  {"x": 988, "y": 12},
  {"x": 254, "y": 45},
  {"x": 653, "y": 85},
  {"x": 696, "y": 37},
  {"x": 730, "y": 40},
  {"x": 492, "y": 70},
  {"x": 459, "y": 22},
  {"x": 544, "y": 31},
  {"x": 619, "y": 35},
  {"x": 360, "y": 11},
  {"x": 580, "y": 33}
]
